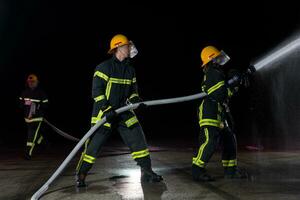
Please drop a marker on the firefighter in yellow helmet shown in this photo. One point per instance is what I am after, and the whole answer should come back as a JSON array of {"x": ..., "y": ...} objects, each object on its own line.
[
  {"x": 214, "y": 117},
  {"x": 33, "y": 101},
  {"x": 114, "y": 86}
]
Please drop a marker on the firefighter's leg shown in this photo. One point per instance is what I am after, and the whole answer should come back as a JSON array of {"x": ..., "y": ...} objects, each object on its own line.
[
  {"x": 89, "y": 155},
  {"x": 133, "y": 136},
  {"x": 33, "y": 132},
  {"x": 229, "y": 155},
  {"x": 208, "y": 138}
]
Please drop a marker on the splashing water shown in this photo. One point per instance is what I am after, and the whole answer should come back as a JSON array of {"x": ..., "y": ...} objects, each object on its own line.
[{"x": 282, "y": 50}]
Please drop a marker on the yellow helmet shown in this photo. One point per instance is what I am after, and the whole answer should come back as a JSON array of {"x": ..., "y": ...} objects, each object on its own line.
[
  {"x": 32, "y": 78},
  {"x": 209, "y": 53},
  {"x": 117, "y": 41}
]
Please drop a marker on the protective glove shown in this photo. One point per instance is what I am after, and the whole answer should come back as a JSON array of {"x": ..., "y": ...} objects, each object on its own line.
[
  {"x": 141, "y": 108},
  {"x": 244, "y": 81}
]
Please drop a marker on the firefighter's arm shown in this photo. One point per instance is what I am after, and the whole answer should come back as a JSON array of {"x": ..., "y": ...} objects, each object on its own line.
[
  {"x": 214, "y": 81},
  {"x": 134, "y": 96},
  {"x": 100, "y": 81},
  {"x": 44, "y": 100}
]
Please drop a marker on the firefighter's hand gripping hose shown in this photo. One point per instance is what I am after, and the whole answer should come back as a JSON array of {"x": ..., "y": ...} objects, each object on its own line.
[{"x": 45, "y": 187}]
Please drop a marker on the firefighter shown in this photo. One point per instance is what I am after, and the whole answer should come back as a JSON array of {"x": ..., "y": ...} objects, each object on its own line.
[
  {"x": 114, "y": 84},
  {"x": 214, "y": 117},
  {"x": 33, "y": 101}
]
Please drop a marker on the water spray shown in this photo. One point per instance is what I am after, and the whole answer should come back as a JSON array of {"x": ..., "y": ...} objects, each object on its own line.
[{"x": 282, "y": 50}]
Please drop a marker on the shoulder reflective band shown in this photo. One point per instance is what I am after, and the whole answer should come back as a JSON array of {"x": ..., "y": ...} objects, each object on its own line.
[{"x": 101, "y": 75}]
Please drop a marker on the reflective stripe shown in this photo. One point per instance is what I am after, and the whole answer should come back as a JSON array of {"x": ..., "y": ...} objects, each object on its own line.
[
  {"x": 140, "y": 154},
  {"x": 99, "y": 117},
  {"x": 82, "y": 155},
  {"x": 197, "y": 160},
  {"x": 35, "y": 135},
  {"x": 215, "y": 87},
  {"x": 209, "y": 122},
  {"x": 120, "y": 81},
  {"x": 95, "y": 120},
  {"x": 229, "y": 163},
  {"x": 108, "y": 88},
  {"x": 45, "y": 101},
  {"x": 133, "y": 120},
  {"x": 29, "y": 144},
  {"x": 20, "y": 98},
  {"x": 40, "y": 139},
  {"x": 99, "y": 98},
  {"x": 229, "y": 92},
  {"x": 117, "y": 81},
  {"x": 38, "y": 119},
  {"x": 89, "y": 159},
  {"x": 101, "y": 75},
  {"x": 133, "y": 95},
  {"x": 134, "y": 80},
  {"x": 33, "y": 100}
]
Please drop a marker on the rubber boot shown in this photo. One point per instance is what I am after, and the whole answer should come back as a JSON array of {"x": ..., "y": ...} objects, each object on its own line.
[
  {"x": 234, "y": 173},
  {"x": 200, "y": 174},
  {"x": 148, "y": 176},
  {"x": 80, "y": 182}
]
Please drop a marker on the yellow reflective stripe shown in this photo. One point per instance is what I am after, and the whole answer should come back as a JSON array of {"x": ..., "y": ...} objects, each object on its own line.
[
  {"x": 45, "y": 101},
  {"x": 198, "y": 162},
  {"x": 215, "y": 87},
  {"x": 29, "y": 144},
  {"x": 134, "y": 80},
  {"x": 200, "y": 151},
  {"x": 35, "y": 135},
  {"x": 209, "y": 122},
  {"x": 108, "y": 89},
  {"x": 82, "y": 155},
  {"x": 140, "y": 154},
  {"x": 99, "y": 117},
  {"x": 40, "y": 139},
  {"x": 38, "y": 119},
  {"x": 133, "y": 95},
  {"x": 229, "y": 92},
  {"x": 33, "y": 100},
  {"x": 201, "y": 110},
  {"x": 99, "y": 98},
  {"x": 95, "y": 120},
  {"x": 101, "y": 75},
  {"x": 120, "y": 81},
  {"x": 89, "y": 159},
  {"x": 229, "y": 163},
  {"x": 133, "y": 120}
]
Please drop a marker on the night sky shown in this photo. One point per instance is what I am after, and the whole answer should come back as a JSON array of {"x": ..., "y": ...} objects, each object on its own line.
[{"x": 63, "y": 41}]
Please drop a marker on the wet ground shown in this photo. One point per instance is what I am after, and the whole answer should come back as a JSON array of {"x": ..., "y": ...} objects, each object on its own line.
[{"x": 272, "y": 175}]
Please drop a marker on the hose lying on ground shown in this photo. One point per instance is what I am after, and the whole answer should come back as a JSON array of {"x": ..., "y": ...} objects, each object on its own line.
[
  {"x": 45, "y": 187},
  {"x": 60, "y": 132}
]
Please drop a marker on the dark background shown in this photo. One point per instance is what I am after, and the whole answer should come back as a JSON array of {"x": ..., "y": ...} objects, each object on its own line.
[{"x": 63, "y": 41}]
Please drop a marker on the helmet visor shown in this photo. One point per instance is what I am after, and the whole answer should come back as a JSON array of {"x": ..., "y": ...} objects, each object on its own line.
[
  {"x": 221, "y": 59},
  {"x": 133, "y": 50}
]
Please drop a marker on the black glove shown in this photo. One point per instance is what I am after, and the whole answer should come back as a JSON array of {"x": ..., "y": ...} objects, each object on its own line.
[
  {"x": 245, "y": 80},
  {"x": 141, "y": 108},
  {"x": 110, "y": 114}
]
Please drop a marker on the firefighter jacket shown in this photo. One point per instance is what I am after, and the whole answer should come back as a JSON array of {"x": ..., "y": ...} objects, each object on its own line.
[
  {"x": 212, "y": 111},
  {"x": 34, "y": 103},
  {"x": 114, "y": 82}
]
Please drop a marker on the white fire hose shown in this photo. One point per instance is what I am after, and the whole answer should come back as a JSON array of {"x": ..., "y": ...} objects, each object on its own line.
[{"x": 45, "y": 187}]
